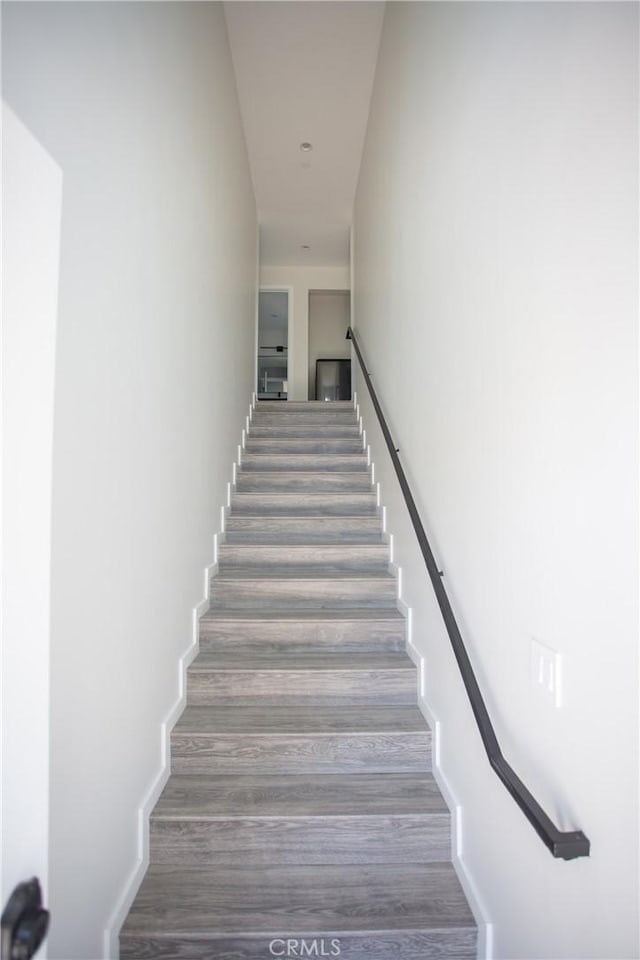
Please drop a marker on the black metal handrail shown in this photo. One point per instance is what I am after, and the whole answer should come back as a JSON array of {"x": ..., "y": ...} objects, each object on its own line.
[{"x": 565, "y": 844}]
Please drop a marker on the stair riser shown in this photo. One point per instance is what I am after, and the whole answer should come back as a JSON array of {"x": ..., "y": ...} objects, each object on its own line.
[
  {"x": 301, "y": 538},
  {"x": 343, "y": 556},
  {"x": 308, "y": 840},
  {"x": 307, "y": 406},
  {"x": 303, "y": 483},
  {"x": 302, "y": 594},
  {"x": 308, "y": 504},
  {"x": 300, "y": 446},
  {"x": 310, "y": 463},
  {"x": 291, "y": 636},
  {"x": 308, "y": 420},
  {"x": 314, "y": 753},
  {"x": 308, "y": 529},
  {"x": 332, "y": 431},
  {"x": 448, "y": 943},
  {"x": 302, "y": 687},
  {"x": 313, "y": 409}
]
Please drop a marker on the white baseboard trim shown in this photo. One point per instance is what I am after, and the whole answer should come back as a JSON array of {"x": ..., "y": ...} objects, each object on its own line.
[
  {"x": 480, "y": 913},
  {"x": 485, "y": 926},
  {"x": 131, "y": 885},
  {"x": 467, "y": 882},
  {"x": 110, "y": 936}
]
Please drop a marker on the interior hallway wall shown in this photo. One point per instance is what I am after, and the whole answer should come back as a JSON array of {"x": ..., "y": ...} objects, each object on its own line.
[
  {"x": 496, "y": 300},
  {"x": 155, "y": 366},
  {"x": 301, "y": 280}
]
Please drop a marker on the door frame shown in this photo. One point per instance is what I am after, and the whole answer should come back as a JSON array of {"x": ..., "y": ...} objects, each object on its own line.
[{"x": 275, "y": 288}]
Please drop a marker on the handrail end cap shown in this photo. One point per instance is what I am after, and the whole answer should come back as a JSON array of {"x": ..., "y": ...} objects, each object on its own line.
[{"x": 572, "y": 845}]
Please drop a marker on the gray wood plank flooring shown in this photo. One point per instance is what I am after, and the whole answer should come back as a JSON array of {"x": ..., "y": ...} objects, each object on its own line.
[
  {"x": 306, "y": 503},
  {"x": 305, "y": 482},
  {"x": 337, "y": 898},
  {"x": 272, "y": 796},
  {"x": 301, "y": 804},
  {"x": 317, "y": 556},
  {"x": 312, "y": 720}
]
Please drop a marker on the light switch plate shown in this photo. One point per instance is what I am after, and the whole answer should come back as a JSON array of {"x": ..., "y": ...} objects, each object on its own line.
[{"x": 546, "y": 671}]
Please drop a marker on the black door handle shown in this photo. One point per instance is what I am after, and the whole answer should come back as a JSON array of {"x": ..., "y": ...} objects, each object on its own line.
[{"x": 24, "y": 922}]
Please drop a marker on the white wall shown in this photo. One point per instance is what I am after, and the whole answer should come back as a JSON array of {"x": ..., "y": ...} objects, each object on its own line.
[
  {"x": 154, "y": 372},
  {"x": 495, "y": 295},
  {"x": 31, "y": 202},
  {"x": 329, "y": 318},
  {"x": 301, "y": 280}
]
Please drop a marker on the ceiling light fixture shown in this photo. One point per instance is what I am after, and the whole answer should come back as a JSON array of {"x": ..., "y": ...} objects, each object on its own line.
[{"x": 305, "y": 146}]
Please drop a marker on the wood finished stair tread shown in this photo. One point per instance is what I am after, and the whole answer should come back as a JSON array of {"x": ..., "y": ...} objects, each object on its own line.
[
  {"x": 317, "y": 530},
  {"x": 267, "y": 538},
  {"x": 241, "y": 663},
  {"x": 279, "y": 631},
  {"x": 257, "y": 503},
  {"x": 310, "y": 518},
  {"x": 205, "y": 900},
  {"x": 359, "y": 462},
  {"x": 299, "y": 720},
  {"x": 242, "y": 678},
  {"x": 259, "y": 415},
  {"x": 341, "y": 555},
  {"x": 283, "y": 572},
  {"x": 333, "y": 431},
  {"x": 303, "y": 416},
  {"x": 306, "y": 445},
  {"x": 306, "y": 406},
  {"x": 304, "y": 462},
  {"x": 342, "y": 615},
  {"x": 373, "y": 548},
  {"x": 319, "y": 500},
  {"x": 304, "y": 482},
  {"x": 327, "y": 489},
  {"x": 329, "y": 795}
]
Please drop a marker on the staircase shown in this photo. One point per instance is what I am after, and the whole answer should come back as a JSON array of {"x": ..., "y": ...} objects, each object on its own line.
[{"x": 301, "y": 818}]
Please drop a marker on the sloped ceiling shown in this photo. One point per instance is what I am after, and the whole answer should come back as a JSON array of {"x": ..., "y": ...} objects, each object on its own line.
[{"x": 304, "y": 73}]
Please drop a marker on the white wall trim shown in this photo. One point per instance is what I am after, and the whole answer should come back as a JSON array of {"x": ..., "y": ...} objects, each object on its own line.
[
  {"x": 110, "y": 938},
  {"x": 480, "y": 913}
]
